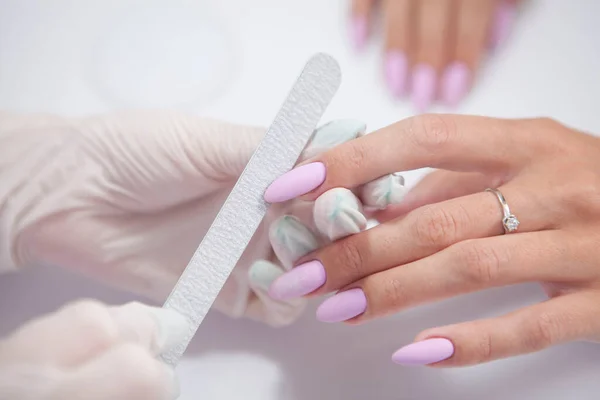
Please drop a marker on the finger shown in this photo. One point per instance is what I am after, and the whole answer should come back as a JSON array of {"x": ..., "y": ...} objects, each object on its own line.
[
  {"x": 419, "y": 234},
  {"x": 82, "y": 330},
  {"x": 333, "y": 134},
  {"x": 473, "y": 24},
  {"x": 475, "y": 265},
  {"x": 159, "y": 157},
  {"x": 567, "y": 318},
  {"x": 436, "y": 187},
  {"x": 291, "y": 239},
  {"x": 361, "y": 18},
  {"x": 338, "y": 213},
  {"x": 432, "y": 49},
  {"x": 399, "y": 30},
  {"x": 504, "y": 17},
  {"x": 262, "y": 307},
  {"x": 124, "y": 372},
  {"x": 383, "y": 192},
  {"x": 452, "y": 142}
]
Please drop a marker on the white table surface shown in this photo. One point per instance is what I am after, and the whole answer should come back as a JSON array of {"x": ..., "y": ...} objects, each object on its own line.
[{"x": 78, "y": 57}]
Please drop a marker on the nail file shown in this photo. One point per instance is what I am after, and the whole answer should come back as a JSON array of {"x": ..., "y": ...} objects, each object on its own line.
[{"x": 244, "y": 208}]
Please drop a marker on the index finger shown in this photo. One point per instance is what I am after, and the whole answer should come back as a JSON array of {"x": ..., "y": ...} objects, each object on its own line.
[{"x": 452, "y": 142}]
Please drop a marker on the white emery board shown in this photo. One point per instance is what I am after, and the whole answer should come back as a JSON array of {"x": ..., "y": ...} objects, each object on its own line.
[{"x": 245, "y": 208}]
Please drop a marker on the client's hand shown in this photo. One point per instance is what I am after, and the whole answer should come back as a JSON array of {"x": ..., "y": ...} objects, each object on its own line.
[
  {"x": 448, "y": 237},
  {"x": 126, "y": 198},
  {"x": 91, "y": 351},
  {"x": 434, "y": 47}
]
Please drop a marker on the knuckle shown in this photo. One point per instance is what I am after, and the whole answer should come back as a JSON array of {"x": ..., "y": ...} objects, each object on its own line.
[
  {"x": 435, "y": 226},
  {"x": 94, "y": 322},
  {"x": 434, "y": 131},
  {"x": 351, "y": 258},
  {"x": 356, "y": 156},
  {"x": 479, "y": 264},
  {"x": 485, "y": 348},
  {"x": 546, "y": 331},
  {"x": 395, "y": 294}
]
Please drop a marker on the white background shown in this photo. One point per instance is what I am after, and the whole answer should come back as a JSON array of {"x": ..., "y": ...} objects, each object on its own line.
[{"x": 236, "y": 60}]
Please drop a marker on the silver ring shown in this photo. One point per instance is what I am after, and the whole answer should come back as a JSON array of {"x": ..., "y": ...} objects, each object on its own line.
[{"x": 509, "y": 221}]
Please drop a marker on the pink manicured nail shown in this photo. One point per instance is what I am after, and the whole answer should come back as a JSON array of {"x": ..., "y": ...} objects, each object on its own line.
[
  {"x": 295, "y": 183},
  {"x": 299, "y": 281},
  {"x": 426, "y": 352},
  {"x": 359, "y": 32},
  {"x": 455, "y": 83},
  {"x": 396, "y": 68},
  {"x": 504, "y": 18},
  {"x": 343, "y": 306},
  {"x": 423, "y": 86}
]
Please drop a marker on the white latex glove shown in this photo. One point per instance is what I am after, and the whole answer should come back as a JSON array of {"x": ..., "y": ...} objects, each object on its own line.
[
  {"x": 90, "y": 351},
  {"x": 126, "y": 198}
]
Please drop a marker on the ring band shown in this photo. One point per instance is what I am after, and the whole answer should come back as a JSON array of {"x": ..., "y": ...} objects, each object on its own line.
[{"x": 509, "y": 221}]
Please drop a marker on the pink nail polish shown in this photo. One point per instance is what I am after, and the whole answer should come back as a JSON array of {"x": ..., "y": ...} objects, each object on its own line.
[
  {"x": 296, "y": 182},
  {"x": 359, "y": 32},
  {"x": 504, "y": 18},
  {"x": 423, "y": 86},
  {"x": 425, "y": 352},
  {"x": 455, "y": 83},
  {"x": 396, "y": 68},
  {"x": 343, "y": 306},
  {"x": 299, "y": 281}
]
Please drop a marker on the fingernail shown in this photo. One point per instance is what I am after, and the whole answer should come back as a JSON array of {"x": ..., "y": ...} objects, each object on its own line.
[
  {"x": 382, "y": 192},
  {"x": 333, "y": 134},
  {"x": 503, "y": 21},
  {"x": 396, "y": 69},
  {"x": 342, "y": 306},
  {"x": 296, "y": 182},
  {"x": 423, "y": 86},
  {"x": 426, "y": 352},
  {"x": 299, "y": 281},
  {"x": 172, "y": 328},
  {"x": 263, "y": 273},
  {"x": 455, "y": 83},
  {"x": 359, "y": 31},
  {"x": 291, "y": 239},
  {"x": 338, "y": 213}
]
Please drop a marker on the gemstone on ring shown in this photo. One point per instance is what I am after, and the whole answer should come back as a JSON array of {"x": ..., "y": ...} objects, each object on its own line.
[{"x": 511, "y": 223}]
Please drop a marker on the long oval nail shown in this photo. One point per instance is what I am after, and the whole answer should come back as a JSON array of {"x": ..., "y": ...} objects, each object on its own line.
[
  {"x": 396, "y": 70},
  {"x": 343, "y": 306},
  {"x": 263, "y": 273},
  {"x": 299, "y": 281},
  {"x": 424, "y": 86},
  {"x": 296, "y": 182},
  {"x": 425, "y": 352},
  {"x": 503, "y": 21},
  {"x": 455, "y": 83},
  {"x": 359, "y": 31},
  {"x": 382, "y": 192}
]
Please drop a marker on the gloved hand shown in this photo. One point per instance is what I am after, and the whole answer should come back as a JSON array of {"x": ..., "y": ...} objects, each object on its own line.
[
  {"x": 91, "y": 351},
  {"x": 127, "y": 197}
]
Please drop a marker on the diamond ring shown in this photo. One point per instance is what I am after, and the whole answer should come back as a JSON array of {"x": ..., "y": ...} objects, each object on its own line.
[{"x": 509, "y": 221}]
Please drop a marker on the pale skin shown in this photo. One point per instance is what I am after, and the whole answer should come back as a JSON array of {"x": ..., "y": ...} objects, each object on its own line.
[
  {"x": 433, "y": 48},
  {"x": 446, "y": 238}
]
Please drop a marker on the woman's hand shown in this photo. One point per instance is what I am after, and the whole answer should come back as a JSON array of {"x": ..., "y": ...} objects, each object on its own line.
[
  {"x": 88, "y": 350},
  {"x": 433, "y": 48},
  {"x": 447, "y": 238},
  {"x": 126, "y": 198}
]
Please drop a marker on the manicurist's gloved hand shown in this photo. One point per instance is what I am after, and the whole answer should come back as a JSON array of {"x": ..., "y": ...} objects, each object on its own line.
[
  {"x": 90, "y": 351},
  {"x": 126, "y": 198}
]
